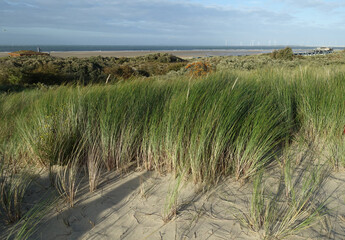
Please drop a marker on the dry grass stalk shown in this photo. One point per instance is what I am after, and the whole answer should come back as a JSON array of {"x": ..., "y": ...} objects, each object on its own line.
[
  {"x": 66, "y": 181},
  {"x": 171, "y": 203},
  {"x": 13, "y": 186},
  {"x": 94, "y": 165}
]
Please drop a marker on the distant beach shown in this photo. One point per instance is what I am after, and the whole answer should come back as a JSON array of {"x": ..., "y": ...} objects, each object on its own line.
[
  {"x": 133, "y": 51},
  {"x": 178, "y": 53},
  {"x": 187, "y": 52}
]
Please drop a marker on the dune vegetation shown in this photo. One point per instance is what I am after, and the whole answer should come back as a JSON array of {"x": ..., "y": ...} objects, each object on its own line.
[
  {"x": 237, "y": 119},
  {"x": 23, "y": 72}
]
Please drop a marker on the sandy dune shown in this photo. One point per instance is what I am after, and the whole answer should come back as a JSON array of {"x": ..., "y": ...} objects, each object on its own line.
[{"x": 132, "y": 207}]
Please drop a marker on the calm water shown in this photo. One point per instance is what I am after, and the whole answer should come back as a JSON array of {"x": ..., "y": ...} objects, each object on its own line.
[{"x": 66, "y": 48}]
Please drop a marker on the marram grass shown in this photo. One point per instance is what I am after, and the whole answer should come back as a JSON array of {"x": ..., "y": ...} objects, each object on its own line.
[{"x": 224, "y": 124}]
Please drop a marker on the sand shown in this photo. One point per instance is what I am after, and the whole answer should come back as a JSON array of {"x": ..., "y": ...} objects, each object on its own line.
[
  {"x": 131, "y": 206},
  {"x": 182, "y": 54}
]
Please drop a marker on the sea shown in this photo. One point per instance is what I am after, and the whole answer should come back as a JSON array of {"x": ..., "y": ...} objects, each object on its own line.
[{"x": 67, "y": 48}]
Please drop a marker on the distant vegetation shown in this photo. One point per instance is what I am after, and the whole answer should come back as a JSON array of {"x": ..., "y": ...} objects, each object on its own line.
[
  {"x": 26, "y": 71},
  {"x": 27, "y": 53}
]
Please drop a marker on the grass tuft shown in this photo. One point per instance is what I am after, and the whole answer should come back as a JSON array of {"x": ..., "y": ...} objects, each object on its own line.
[
  {"x": 12, "y": 190},
  {"x": 295, "y": 205}
]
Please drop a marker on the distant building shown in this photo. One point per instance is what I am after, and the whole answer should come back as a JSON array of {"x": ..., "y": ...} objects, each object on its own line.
[
  {"x": 317, "y": 51},
  {"x": 324, "y": 49}
]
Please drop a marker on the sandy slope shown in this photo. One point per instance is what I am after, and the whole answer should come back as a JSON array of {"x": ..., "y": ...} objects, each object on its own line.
[{"x": 131, "y": 207}]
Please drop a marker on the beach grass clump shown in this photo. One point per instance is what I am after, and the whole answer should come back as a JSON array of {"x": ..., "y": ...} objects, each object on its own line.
[
  {"x": 321, "y": 111},
  {"x": 260, "y": 137},
  {"x": 337, "y": 152},
  {"x": 29, "y": 224},
  {"x": 218, "y": 139},
  {"x": 297, "y": 203},
  {"x": 53, "y": 128},
  {"x": 13, "y": 187},
  {"x": 171, "y": 204},
  {"x": 94, "y": 166},
  {"x": 304, "y": 205},
  {"x": 68, "y": 176}
]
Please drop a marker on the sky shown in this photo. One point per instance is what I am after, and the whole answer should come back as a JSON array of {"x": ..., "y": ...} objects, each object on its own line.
[{"x": 173, "y": 22}]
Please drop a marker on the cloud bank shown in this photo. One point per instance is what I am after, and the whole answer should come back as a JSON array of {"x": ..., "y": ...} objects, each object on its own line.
[{"x": 171, "y": 22}]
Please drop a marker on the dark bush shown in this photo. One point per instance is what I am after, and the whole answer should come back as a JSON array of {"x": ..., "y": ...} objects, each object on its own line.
[
  {"x": 160, "y": 58},
  {"x": 143, "y": 73},
  {"x": 123, "y": 72},
  {"x": 284, "y": 54}
]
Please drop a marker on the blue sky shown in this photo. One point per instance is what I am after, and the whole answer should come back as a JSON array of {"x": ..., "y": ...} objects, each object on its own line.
[{"x": 173, "y": 22}]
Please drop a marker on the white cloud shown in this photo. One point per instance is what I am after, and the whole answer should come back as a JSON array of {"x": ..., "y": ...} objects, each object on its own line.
[
  {"x": 153, "y": 21},
  {"x": 320, "y": 5}
]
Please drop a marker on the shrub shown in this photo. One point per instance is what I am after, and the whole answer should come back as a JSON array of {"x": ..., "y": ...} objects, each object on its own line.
[
  {"x": 11, "y": 76},
  {"x": 285, "y": 54},
  {"x": 154, "y": 68},
  {"x": 199, "y": 69},
  {"x": 160, "y": 58},
  {"x": 123, "y": 72}
]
